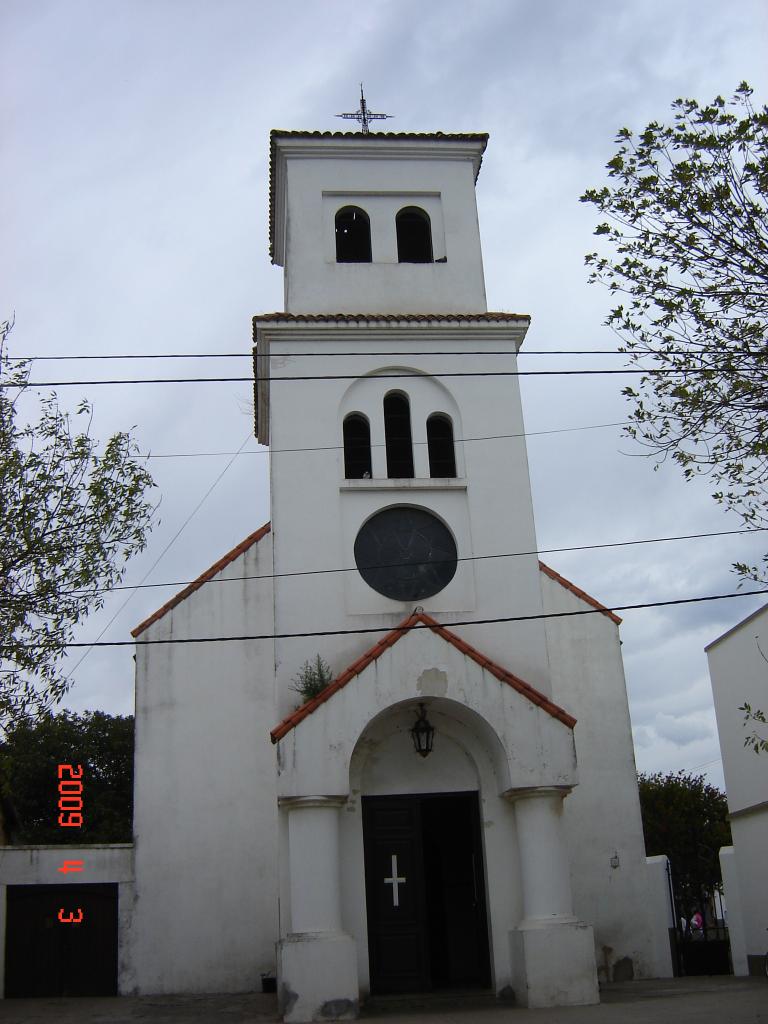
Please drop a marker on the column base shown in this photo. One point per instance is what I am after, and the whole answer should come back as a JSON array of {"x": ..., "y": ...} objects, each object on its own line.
[
  {"x": 553, "y": 964},
  {"x": 317, "y": 977}
]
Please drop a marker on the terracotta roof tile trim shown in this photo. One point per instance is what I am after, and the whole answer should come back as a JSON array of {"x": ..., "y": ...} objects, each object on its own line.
[
  {"x": 388, "y": 317},
  {"x": 523, "y": 688},
  {"x": 579, "y": 592},
  {"x": 222, "y": 563}
]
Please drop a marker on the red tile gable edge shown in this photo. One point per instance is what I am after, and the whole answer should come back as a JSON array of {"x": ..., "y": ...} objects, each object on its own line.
[
  {"x": 579, "y": 592},
  {"x": 389, "y": 640},
  {"x": 222, "y": 563}
]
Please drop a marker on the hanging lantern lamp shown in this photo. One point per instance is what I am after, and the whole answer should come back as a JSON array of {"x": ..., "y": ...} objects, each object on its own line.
[{"x": 423, "y": 733}]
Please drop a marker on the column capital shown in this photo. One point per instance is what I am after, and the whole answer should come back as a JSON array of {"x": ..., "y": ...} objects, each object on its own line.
[
  {"x": 295, "y": 803},
  {"x": 529, "y": 792}
]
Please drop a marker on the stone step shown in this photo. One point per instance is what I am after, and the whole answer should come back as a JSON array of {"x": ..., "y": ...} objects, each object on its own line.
[{"x": 430, "y": 1002}]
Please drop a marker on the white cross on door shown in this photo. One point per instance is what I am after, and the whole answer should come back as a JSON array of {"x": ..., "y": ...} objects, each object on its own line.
[{"x": 394, "y": 881}]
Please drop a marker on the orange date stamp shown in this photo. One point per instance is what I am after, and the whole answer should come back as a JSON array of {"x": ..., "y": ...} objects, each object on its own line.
[{"x": 70, "y": 779}]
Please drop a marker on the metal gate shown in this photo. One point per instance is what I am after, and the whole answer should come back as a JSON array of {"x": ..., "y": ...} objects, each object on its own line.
[{"x": 46, "y": 956}]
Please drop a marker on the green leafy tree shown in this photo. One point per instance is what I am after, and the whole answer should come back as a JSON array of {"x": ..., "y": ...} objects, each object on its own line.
[
  {"x": 29, "y": 759},
  {"x": 686, "y": 235},
  {"x": 686, "y": 819},
  {"x": 71, "y": 515}
]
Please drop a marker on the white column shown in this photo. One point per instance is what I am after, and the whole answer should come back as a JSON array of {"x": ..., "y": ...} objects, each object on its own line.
[
  {"x": 553, "y": 954},
  {"x": 313, "y": 860},
  {"x": 544, "y": 864},
  {"x": 317, "y": 961}
]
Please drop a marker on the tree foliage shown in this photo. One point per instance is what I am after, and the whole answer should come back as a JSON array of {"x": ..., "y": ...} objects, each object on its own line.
[
  {"x": 686, "y": 819},
  {"x": 29, "y": 759},
  {"x": 687, "y": 235},
  {"x": 71, "y": 515}
]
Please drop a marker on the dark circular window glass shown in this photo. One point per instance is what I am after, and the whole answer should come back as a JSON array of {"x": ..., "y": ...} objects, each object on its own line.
[{"x": 405, "y": 554}]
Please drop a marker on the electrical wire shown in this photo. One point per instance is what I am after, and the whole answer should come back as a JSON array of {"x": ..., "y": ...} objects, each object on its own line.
[
  {"x": 356, "y": 376},
  {"x": 389, "y": 629},
  {"x": 340, "y": 447},
  {"x": 466, "y": 558},
  {"x": 174, "y": 538},
  {"x": 387, "y": 354}
]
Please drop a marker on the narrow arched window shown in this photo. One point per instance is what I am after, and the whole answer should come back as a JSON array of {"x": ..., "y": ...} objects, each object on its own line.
[
  {"x": 397, "y": 435},
  {"x": 353, "y": 235},
  {"x": 414, "y": 236},
  {"x": 442, "y": 457},
  {"x": 357, "y": 447}
]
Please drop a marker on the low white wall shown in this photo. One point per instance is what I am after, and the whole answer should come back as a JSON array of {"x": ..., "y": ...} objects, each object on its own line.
[
  {"x": 735, "y": 920},
  {"x": 661, "y": 915},
  {"x": 38, "y": 865}
]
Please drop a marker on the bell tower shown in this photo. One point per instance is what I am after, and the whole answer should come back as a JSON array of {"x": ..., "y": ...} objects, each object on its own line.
[
  {"x": 388, "y": 395},
  {"x": 377, "y": 222}
]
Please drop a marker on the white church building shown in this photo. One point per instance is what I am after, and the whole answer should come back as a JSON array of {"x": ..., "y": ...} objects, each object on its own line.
[{"x": 314, "y": 841}]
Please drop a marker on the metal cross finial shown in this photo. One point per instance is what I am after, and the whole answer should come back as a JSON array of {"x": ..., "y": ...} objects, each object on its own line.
[{"x": 364, "y": 115}]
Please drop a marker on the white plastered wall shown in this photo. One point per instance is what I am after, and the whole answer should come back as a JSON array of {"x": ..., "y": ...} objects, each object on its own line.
[
  {"x": 602, "y": 815},
  {"x": 739, "y": 674},
  {"x": 321, "y": 180},
  {"x": 205, "y": 813}
]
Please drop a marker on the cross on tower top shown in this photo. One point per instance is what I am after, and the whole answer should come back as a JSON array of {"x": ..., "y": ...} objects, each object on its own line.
[{"x": 364, "y": 115}]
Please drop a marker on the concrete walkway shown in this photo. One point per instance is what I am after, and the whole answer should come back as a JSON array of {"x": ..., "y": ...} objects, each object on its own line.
[{"x": 676, "y": 1001}]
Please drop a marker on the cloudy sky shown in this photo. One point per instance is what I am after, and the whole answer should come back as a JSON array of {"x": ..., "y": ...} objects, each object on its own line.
[{"x": 134, "y": 204}]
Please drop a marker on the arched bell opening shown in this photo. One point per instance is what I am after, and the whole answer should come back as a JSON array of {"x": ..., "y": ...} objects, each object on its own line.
[
  {"x": 397, "y": 435},
  {"x": 442, "y": 455},
  {"x": 414, "y": 235},
  {"x": 357, "y": 446},
  {"x": 353, "y": 235}
]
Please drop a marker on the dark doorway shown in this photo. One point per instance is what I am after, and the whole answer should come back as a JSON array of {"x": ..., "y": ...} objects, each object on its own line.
[
  {"x": 425, "y": 893},
  {"x": 44, "y": 957}
]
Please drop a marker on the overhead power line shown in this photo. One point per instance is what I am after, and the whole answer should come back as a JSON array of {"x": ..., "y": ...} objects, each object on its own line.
[
  {"x": 156, "y": 562},
  {"x": 340, "y": 447},
  {"x": 391, "y": 352},
  {"x": 466, "y": 558},
  {"x": 379, "y": 376},
  {"x": 388, "y": 629}
]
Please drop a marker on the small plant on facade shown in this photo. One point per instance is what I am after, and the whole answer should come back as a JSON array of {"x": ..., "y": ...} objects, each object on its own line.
[{"x": 312, "y": 678}]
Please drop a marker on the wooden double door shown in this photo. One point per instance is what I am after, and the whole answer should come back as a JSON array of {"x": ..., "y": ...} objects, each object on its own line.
[{"x": 425, "y": 893}]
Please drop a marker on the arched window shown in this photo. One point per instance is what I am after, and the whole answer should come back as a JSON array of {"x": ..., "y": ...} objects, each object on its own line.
[
  {"x": 414, "y": 236},
  {"x": 442, "y": 457},
  {"x": 353, "y": 235},
  {"x": 357, "y": 447},
  {"x": 397, "y": 435}
]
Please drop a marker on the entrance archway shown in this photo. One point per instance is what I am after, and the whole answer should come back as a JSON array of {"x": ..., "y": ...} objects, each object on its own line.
[{"x": 422, "y": 847}]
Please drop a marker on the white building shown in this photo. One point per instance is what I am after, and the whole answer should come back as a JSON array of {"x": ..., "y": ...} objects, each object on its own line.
[
  {"x": 739, "y": 674},
  {"x": 314, "y": 841}
]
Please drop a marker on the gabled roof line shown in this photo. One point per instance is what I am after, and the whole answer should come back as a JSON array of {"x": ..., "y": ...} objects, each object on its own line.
[
  {"x": 222, "y": 563},
  {"x": 527, "y": 691},
  {"x": 582, "y": 594}
]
